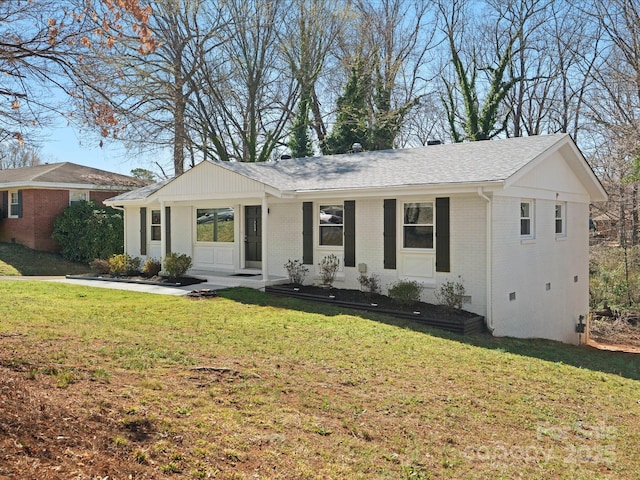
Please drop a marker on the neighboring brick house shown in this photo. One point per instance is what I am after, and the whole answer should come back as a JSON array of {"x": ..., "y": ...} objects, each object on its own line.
[{"x": 32, "y": 197}]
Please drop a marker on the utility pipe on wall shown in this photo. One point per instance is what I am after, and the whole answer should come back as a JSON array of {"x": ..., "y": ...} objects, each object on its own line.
[{"x": 489, "y": 258}]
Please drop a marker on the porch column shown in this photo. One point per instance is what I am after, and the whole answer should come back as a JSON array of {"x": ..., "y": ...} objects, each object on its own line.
[
  {"x": 265, "y": 232},
  {"x": 163, "y": 233}
]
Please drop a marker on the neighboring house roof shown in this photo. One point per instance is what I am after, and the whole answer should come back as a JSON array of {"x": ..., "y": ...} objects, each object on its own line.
[
  {"x": 65, "y": 175},
  {"x": 480, "y": 163}
]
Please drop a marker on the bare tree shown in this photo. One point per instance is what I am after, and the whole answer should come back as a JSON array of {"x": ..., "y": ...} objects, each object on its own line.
[
  {"x": 42, "y": 46},
  {"x": 615, "y": 110},
  {"x": 150, "y": 93},
  {"x": 16, "y": 155},
  {"x": 245, "y": 95},
  {"x": 490, "y": 53},
  {"x": 309, "y": 33}
]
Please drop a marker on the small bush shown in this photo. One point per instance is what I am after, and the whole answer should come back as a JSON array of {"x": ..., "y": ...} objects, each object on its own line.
[
  {"x": 405, "y": 292},
  {"x": 151, "y": 267},
  {"x": 369, "y": 283},
  {"x": 100, "y": 265},
  {"x": 176, "y": 265},
  {"x": 123, "y": 264},
  {"x": 451, "y": 294},
  {"x": 328, "y": 268},
  {"x": 296, "y": 271}
]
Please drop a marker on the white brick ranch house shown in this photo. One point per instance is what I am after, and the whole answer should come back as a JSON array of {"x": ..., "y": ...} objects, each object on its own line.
[{"x": 508, "y": 218}]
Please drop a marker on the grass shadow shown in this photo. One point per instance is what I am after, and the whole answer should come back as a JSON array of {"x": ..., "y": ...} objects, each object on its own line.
[{"x": 617, "y": 363}]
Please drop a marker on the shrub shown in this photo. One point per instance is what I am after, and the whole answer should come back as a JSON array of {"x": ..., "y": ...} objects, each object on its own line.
[
  {"x": 451, "y": 294},
  {"x": 405, "y": 292},
  {"x": 369, "y": 283},
  {"x": 151, "y": 267},
  {"x": 296, "y": 271},
  {"x": 176, "y": 265},
  {"x": 328, "y": 268},
  {"x": 85, "y": 231},
  {"x": 100, "y": 265},
  {"x": 123, "y": 264}
]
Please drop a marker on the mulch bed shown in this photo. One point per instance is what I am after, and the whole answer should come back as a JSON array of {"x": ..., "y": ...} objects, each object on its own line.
[
  {"x": 155, "y": 280},
  {"x": 458, "y": 321}
]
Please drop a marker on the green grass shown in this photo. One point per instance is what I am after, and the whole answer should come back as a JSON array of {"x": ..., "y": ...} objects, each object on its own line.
[
  {"x": 250, "y": 384},
  {"x": 18, "y": 260}
]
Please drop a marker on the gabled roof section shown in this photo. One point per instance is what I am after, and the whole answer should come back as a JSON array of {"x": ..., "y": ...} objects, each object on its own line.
[
  {"x": 66, "y": 173},
  {"x": 492, "y": 162},
  {"x": 458, "y": 163}
]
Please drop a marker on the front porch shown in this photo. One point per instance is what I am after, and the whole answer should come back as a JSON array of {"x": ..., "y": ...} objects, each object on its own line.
[{"x": 248, "y": 277}]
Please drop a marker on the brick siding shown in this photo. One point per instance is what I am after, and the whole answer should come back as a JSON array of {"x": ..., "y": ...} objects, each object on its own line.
[{"x": 40, "y": 208}]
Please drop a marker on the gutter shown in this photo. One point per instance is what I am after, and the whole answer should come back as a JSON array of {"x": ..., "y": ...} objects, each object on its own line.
[{"x": 489, "y": 259}]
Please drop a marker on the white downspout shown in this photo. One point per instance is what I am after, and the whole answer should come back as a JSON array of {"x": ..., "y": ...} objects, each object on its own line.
[
  {"x": 265, "y": 236},
  {"x": 489, "y": 258}
]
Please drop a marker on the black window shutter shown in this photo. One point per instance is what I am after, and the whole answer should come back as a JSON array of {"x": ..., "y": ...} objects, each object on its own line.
[
  {"x": 19, "y": 203},
  {"x": 443, "y": 249},
  {"x": 143, "y": 230},
  {"x": 5, "y": 205},
  {"x": 167, "y": 229},
  {"x": 307, "y": 233},
  {"x": 349, "y": 233},
  {"x": 389, "y": 234}
]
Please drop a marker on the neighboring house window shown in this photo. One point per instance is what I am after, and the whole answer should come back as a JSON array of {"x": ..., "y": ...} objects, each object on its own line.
[
  {"x": 156, "y": 228},
  {"x": 214, "y": 224},
  {"x": 331, "y": 225},
  {"x": 561, "y": 215},
  {"x": 14, "y": 204},
  {"x": 417, "y": 225},
  {"x": 78, "y": 196},
  {"x": 526, "y": 218}
]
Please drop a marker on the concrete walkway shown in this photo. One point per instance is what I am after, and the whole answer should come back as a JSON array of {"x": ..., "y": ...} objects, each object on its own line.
[{"x": 133, "y": 287}]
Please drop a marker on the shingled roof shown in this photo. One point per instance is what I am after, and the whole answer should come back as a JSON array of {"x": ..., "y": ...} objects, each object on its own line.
[
  {"x": 67, "y": 174},
  {"x": 472, "y": 163}
]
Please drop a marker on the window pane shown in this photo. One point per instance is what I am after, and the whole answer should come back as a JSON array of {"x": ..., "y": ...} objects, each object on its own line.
[
  {"x": 418, "y": 214},
  {"x": 15, "y": 210},
  {"x": 156, "y": 232},
  {"x": 524, "y": 209},
  {"x": 215, "y": 224},
  {"x": 525, "y": 226},
  {"x": 418, "y": 237},
  {"x": 559, "y": 226},
  {"x": 331, "y": 235},
  {"x": 78, "y": 197},
  {"x": 331, "y": 214}
]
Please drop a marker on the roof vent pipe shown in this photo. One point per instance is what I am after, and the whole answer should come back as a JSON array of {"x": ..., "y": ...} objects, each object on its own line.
[{"x": 356, "y": 148}]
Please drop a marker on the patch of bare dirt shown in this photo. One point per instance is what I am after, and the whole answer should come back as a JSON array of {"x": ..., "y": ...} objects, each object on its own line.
[
  {"x": 615, "y": 331},
  {"x": 65, "y": 436}
]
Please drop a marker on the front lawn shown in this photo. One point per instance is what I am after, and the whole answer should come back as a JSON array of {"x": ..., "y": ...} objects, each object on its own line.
[
  {"x": 19, "y": 260},
  {"x": 99, "y": 382}
]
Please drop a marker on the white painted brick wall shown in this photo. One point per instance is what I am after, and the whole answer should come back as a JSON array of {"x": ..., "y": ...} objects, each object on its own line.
[{"x": 541, "y": 273}]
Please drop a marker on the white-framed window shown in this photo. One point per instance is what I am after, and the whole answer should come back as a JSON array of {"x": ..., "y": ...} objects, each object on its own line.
[
  {"x": 215, "y": 224},
  {"x": 561, "y": 219},
  {"x": 14, "y": 204},
  {"x": 156, "y": 227},
  {"x": 417, "y": 225},
  {"x": 331, "y": 228},
  {"x": 526, "y": 218},
  {"x": 78, "y": 196}
]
